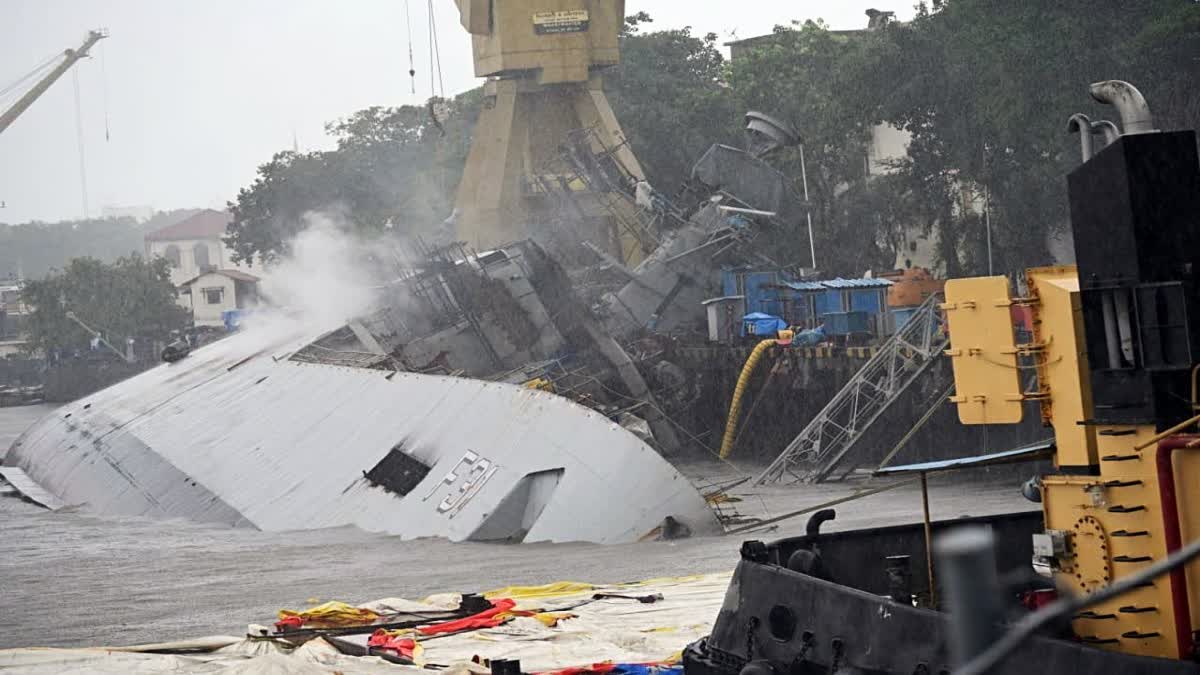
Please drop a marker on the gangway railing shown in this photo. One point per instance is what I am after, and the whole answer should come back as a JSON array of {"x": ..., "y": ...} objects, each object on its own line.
[{"x": 833, "y": 434}]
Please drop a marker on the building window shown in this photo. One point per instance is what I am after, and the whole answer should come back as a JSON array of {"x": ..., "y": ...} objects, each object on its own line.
[
  {"x": 214, "y": 296},
  {"x": 200, "y": 255},
  {"x": 172, "y": 254}
]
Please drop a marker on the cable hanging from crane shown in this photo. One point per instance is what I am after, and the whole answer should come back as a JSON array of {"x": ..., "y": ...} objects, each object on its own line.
[
  {"x": 66, "y": 60},
  {"x": 435, "y": 57},
  {"x": 437, "y": 88},
  {"x": 104, "y": 88},
  {"x": 83, "y": 190},
  {"x": 412, "y": 68}
]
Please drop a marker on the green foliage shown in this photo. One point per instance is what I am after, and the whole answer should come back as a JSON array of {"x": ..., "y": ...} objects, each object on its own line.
[
  {"x": 985, "y": 88},
  {"x": 392, "y": 167},
  {"x": 806, "y": 76},
  {"x": 131, "y": 297},
  {"x": 670, "y": 97},
  {"x": 395, "y": 165},
  {"x": 35, "y": 249}
]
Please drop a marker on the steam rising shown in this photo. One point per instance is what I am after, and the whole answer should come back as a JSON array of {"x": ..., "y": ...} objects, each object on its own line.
[{"x": 322, "y": 283}]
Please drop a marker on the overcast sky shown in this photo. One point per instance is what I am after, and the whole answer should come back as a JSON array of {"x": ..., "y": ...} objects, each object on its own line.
[{"x": 200, "y": 92}]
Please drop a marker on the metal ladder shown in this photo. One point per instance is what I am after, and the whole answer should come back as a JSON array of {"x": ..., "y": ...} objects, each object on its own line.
[{"x": 833, "y": 433}]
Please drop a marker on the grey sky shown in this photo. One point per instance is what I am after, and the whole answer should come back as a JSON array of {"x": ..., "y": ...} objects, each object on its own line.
[{"x": 200, "y": 92}]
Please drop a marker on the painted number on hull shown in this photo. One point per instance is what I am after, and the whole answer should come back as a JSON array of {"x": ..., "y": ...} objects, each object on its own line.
[{"x": 463, "y": 482}]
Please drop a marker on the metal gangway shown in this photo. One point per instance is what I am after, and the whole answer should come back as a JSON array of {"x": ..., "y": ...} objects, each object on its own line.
[{"x": 827, "y": 440}]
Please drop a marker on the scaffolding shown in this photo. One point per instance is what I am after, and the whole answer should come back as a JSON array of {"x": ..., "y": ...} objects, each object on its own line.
[
  {"x": 439, "y": 285},
  {"x": 586, "y": 165},
  {"x": 832, "y": 436}
]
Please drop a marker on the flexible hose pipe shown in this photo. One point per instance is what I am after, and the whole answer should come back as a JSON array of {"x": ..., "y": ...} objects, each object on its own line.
[{"x": 735, "y": 407}]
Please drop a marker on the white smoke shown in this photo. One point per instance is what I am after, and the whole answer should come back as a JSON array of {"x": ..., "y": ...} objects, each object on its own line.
[{"x": 322, "y": 283}]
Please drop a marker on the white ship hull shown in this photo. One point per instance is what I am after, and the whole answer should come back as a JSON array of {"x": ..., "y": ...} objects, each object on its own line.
[{"x": 238, "y": 434}]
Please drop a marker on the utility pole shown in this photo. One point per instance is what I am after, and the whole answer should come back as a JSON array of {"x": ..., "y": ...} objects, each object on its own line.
[
  {"x": 812, "y": 246},
  {"x": 72, "y": 55},
  {"x": 987, "y": 222}
]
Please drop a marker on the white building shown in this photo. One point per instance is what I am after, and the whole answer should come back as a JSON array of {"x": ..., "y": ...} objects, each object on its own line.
[
  {"x": 211, "y": 294},
  {"x": 193, "y": 245},
  {"x": 13, "y": 315},
  {"x": 202, "y": 266}
]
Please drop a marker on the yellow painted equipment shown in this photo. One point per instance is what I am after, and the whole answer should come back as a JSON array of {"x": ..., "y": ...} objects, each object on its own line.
[
  {"x": 1062, "y": 362},
  {"x": 1114, "y": 526},
  {"x": 543, "y": 60},
  {"x": 1131, "y": 493},
  {"x": 983, "y": 351}
]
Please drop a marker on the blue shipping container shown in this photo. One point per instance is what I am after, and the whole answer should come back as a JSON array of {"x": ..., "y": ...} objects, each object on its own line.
[
  {"x": 829, "y": 302},
  {"x": 901, "y": 316},
  {"x": 866, "y": 300},
  {"x": 845, "y": 323}
]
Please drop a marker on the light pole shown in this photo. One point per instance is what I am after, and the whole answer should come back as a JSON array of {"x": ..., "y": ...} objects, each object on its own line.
[
  {"x": 987, "y": 223},
  {"x": 812, "y": 247}
]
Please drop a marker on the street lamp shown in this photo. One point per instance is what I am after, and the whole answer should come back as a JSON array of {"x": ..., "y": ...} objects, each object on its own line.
[
  {"x": 812, "y": 246},
  {"x": 987, "y": 223}
]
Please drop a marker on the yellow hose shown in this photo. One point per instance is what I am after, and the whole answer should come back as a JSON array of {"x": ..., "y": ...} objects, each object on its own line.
[{"x": 735, "y": 407}]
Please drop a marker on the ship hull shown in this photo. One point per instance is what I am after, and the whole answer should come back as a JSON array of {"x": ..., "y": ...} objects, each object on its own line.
[{"x": 239, "y": 434}]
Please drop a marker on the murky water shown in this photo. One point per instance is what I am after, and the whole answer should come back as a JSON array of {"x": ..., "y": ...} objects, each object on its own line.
[{"x": 71, "y": 578}]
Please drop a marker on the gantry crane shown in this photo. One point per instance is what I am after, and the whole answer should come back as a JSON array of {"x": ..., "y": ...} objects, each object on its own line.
[
  {"x": 543, "y": 61},
  {"x": 70, "y": 56}
]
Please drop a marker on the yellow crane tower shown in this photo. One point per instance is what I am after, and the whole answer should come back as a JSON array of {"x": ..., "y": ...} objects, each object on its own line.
[{"x": 543, "y": 61}]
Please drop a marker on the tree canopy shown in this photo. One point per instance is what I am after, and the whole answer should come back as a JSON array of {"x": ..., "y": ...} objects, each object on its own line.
[
  {"x": 131, "y": 297},
  {"x": 984, "y": 88},
  {"x": 35, "y": 249},
  {"x": 670, "y": 96},
  {"x": 392, "y": 168}
]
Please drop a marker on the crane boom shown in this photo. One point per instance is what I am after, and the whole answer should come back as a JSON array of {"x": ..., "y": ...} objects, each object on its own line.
[{"x": 72, "y": 55}]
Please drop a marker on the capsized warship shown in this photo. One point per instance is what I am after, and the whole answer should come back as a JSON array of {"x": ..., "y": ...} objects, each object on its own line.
[
  {"x": 491, "y": 394},
  {"x": 279, "y": 428},
  {"x": 1099, "y": 579},
  {"x": 481, "y": 397}
]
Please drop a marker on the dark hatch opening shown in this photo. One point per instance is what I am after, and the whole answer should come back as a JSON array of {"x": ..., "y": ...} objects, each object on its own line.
[{"x": 398, "y": 472}]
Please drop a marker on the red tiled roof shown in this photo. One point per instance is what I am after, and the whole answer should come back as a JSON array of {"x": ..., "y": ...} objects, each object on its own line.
[
  {"x": 203, "y": 225},
  {"x": 236, "y": 275}
]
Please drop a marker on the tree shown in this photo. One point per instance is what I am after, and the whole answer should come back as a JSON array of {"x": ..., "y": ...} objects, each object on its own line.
[
  {"x": 392, "y": 168},
  {"x": 400, "y": 167},
  {"x": 131, "y": 297},
  {"x": 671, "y": 99},
  {"x": 807, "y": 76},
  {"x": 985, "y": 89},
  {"x": 32, "y": 250}
]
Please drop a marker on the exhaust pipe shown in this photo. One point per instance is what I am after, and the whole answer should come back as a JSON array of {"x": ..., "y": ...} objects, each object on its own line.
[
  {"x": 1130, "y": 104},
  {"x": 1108, "y": 129},
  {"x": 1082, "y": 124}
]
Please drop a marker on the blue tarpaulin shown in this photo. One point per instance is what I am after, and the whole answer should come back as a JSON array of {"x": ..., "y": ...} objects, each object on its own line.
[
  {"x": 764, "y": 325},
  {"x": 233, "y": 318},
  {"x": 809, "y": 338}
]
